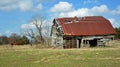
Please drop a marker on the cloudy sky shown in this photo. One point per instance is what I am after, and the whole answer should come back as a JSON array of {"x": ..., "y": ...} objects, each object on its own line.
[{"x": 16, "y": 14}]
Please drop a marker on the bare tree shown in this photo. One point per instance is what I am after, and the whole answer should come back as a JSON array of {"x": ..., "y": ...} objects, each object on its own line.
[
  {"x": 38, "y": 22},
  {"x": 41, "y": 31},
  {"x": 47, "y": 34},
  {"x": 29, "y": 32}
]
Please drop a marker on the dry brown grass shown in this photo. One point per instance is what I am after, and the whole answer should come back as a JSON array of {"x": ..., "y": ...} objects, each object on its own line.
[{"x": 30, "y": 56}]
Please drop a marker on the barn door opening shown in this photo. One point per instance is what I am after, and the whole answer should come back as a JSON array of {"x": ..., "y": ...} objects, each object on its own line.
[
  {"x": 79, "y": 43},
  {"x": 93, "y": 43}
]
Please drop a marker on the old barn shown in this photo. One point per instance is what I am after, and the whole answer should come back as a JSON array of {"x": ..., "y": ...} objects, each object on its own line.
[{"x": 76, "y": 32}]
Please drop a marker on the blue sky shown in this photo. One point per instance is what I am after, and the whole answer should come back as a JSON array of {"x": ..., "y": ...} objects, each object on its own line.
[{"x": 16, "y": 14}]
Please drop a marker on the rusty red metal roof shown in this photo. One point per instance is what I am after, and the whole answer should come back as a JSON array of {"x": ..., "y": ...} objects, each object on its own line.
[{"x": 84, "y": 26}]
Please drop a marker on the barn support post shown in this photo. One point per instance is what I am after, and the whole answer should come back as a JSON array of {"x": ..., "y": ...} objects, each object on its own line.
[
  {"x": 113, "y": 38},
  {"x": 77, "y": 43},
  {"x": 88, "y": 44},
  {"x": 85, "y": 42},
  {"x": 97, "y": 42},
  {"x": 72, "y": 43},
  {"x": 82, "y": 44},
  {"x": 69, "y": 44}
]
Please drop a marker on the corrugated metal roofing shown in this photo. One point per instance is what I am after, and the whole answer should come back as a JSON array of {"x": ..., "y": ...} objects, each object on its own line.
[{"x": 83, "y": 26}]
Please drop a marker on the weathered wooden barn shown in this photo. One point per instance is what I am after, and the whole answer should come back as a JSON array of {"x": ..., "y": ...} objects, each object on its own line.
[{"x": 76, "y": 32}]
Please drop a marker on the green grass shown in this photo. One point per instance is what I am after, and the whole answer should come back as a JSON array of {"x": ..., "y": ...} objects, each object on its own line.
[{"x": 26, "y": 56}]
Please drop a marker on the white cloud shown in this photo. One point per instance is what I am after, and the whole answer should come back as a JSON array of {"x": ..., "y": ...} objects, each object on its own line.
[
  {"x": 79, "y": 12},
  {"x": 45, "y": 0},
  {"x": 27, "y": 26},
  {"x": 100, "y": 9},
  {"x": 62, "y": 7},
  {"x": 23, "y": 5},
  {"x": 8, "y": 5},
  {"x": 91, "y": 1},
  {"x": 96, "y": 10},
  {"x": 114, "y": 22},
  {"x": 39, "y": 6},
  {"x": 117, "y": 11},
  {"x": 24, "y": 26},
  {"x": 8, "y": 32}
]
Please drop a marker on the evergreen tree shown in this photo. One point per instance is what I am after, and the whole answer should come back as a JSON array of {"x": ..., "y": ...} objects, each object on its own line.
[
  {"x": 25, "y": 40},
  {"x": 117, "y": 36}
]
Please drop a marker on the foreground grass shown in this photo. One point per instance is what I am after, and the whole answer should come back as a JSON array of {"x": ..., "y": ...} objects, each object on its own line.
[{"x": 85, "y": 57}]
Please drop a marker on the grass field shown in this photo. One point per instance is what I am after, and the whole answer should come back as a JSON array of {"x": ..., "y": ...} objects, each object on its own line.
[{"x": 27, "y": 56}]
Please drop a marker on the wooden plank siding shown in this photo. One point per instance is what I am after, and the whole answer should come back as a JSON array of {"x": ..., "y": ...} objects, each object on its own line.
[{"x": 70, "y": 42}]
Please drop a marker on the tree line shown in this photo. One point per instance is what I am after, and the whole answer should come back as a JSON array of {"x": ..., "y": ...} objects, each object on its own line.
[
  {"x": 14, "y": 37},
  {"x": 117, "y": 29}
]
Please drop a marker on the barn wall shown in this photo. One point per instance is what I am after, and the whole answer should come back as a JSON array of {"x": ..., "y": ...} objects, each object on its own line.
[
  {"x": 86, "y": 41},
  {"x": 98, "y": 40},
  {"x": 70, "y": 42},
  {"x": 56, "y": 36}
]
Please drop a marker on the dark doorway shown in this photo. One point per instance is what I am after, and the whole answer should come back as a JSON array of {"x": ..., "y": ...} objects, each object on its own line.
[
  {"x": 93, "y": 43},
  {"x": 79, "y": 43}
]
